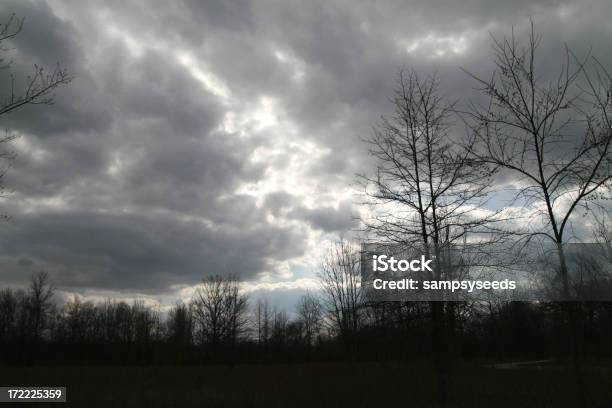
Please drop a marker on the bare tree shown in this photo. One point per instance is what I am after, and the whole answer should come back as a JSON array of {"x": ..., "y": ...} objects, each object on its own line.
[
  {"x": 263, "y": 319},
  {"x": 220, "y": 310},
  {"x": 180, "y": 324},
  {"x": 40, "y": 305},
  {"x": 280, "y": 323},
  {"x": 555, "y": 135},
  {"x": 426, "y": 190},
  {"x": 309, "y": 314},
  {"x": 9, "y": 308},
  {"x": 77, "y": 320},
  {"x": 342, "y": 293},
  {"x": 146, "y": 323}
]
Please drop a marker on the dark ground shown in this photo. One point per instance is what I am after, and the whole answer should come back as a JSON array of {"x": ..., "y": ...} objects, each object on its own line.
[{"x": 312, "y": 385}]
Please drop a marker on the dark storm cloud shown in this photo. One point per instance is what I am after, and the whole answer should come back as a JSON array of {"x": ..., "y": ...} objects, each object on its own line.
[
  {"x": 132, "y": 180},
  {"x": 117, "y": 251},
  {"x": 47, "y": 39}
]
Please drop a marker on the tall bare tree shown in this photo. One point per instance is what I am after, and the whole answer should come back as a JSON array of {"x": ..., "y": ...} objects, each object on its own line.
[
  {"x": 309, "y": 314},
  {"x": 555, "y": 135},
  {"x": 40, "y": 306},
  {"x": 10, "y": 301},
  {"x": 280, "y": 325},
  {"x": 342, "y": 294},
  {"x": 426, "y": 190},
  {"x": 263, "y": 319},
  {"x": 180, "y": 324}
]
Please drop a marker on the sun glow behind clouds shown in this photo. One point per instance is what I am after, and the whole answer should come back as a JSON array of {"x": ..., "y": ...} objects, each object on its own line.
[
  {"x": 138, "y": 46},
  {"x": 265, "y": 113},
  {"x": 433, "y": 45},
  {"x": 208, "y": 79},
  {"x": 260, "y": 119}
]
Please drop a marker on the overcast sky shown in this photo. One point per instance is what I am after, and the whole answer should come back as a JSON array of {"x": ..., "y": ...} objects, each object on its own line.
[{"x": 224, "y": 137}]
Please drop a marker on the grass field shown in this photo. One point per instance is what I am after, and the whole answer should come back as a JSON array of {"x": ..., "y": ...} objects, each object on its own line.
[{"x": 311, "y": 385}]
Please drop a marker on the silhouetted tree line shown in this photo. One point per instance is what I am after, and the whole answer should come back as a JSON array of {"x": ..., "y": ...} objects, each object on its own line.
[{"x": 220, "y": 326}]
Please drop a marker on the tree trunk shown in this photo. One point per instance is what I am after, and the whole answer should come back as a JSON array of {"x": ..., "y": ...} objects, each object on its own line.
[
  {"x": 440, "y": 353},
  {"x": 572, "y": 309}
]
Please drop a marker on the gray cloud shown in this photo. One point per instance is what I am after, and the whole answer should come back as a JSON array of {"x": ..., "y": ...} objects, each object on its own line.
[
  {"x": 132, "y": 180},
  {"x": 120, "y": 252},
  {"x": 327, "y": 218}
]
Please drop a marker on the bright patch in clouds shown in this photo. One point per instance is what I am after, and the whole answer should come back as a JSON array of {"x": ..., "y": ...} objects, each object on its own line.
[
  {"x": 437, "y": 46},
  {"x": 208, "y": 79},
  {"x": 295, "y": 65}
]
